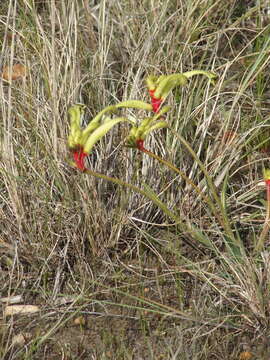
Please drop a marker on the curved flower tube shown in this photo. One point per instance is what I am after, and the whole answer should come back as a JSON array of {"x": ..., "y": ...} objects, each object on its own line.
[
  {"x": 81, "y": 140},
  {"x": 160, "y": 87},
  {"x": 139, "y": 132}
]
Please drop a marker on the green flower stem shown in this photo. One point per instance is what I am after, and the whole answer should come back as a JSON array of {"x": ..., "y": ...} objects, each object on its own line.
[
  {"x": 186, "y": 178},
  {"x": 184, "y": 227},
  {"x": 224, "y": 218},
  {"x": 120, "y": 182},
  {"x": 266, "y": 226}
]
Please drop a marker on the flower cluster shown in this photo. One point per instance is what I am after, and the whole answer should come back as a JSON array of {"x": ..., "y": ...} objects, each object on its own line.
[
  {"x": 81, "y": 140},
  {"x": 139, "y": 132}
]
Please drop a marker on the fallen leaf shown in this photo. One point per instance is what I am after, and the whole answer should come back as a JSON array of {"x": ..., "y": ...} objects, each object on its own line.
[
  {"x": 20, "y": 309},
  {"x": 16, "y": 72},
  {"x": 12, "y": 299},
  {"x": 80, "y": 321},
  {"x": 245, "y": 355}
]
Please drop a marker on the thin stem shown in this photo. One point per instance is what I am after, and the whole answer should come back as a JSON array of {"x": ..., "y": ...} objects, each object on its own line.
[
  {"x": 187, "y": 179},
  {"x": 265, "y": 230},
  {"x": 224, "y": 219},
  {"x": 148, "y": 195},
  {"x": 186, "y": 228}
]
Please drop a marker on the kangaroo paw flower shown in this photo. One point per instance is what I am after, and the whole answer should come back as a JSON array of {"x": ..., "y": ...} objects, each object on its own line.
[
  {"x": 160, "y": 87},
  {"x": 79, "y": 155},
  {"x": 81, "y": 140},
  {"x": 139, "y": 131}
]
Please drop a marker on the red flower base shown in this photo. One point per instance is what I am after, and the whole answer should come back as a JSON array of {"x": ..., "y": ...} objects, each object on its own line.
[
  {"x": 139, "y": 144},
  {"x": 156, "y": 103},
  {"x": 79, "y": 156}
]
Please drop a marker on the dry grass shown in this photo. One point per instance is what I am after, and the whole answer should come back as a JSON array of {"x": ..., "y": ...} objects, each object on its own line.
[{"x": 79, "y": 246}]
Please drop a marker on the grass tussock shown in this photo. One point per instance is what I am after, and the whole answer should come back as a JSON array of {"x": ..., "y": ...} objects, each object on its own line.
[{"x": 113, "y": 275}]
